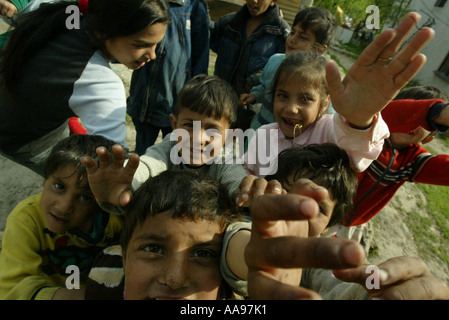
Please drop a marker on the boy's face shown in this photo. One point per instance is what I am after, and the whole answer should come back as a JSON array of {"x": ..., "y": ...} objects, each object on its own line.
[
  {"x": 64, "y": 204},
  {"x": 318, "y": 224},
  {"x": 170, "y": 258},
  {"x": 295, "y": 104},
  {"x": 419, "y": 136},
  {"x": 137, "y": 49},
  {"x": 299, "y": 40},
  {"x": 206, "y": 136},
  {"x": 258, "y": 7}
]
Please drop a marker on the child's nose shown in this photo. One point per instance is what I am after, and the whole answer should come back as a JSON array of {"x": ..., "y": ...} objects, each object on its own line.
[
  {"x": 292, "y": 107},
  {"x": 65, "y": 205},
  {"x": 176, "y": 275},
  {"x": 150, "y": 53}
]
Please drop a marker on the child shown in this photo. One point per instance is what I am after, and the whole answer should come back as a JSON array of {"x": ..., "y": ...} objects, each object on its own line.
[
  {"x": 244, "y": 41},
  {"x": 274, "y": 246},
  {"x": 172, "y": 239},
  {"x": 60, "y": 227},
  {"x": 300, "y": 99},
  {"x": 367, "y": 88},
  {"x": 83, "y": 84},
  {"x": 313, "y": 30},
  {"x": 183, "y": 54},
  {"x": 324, "y": 164},
  {"x": 403, "y": 158},
  {"x": 204, "y": 110}
]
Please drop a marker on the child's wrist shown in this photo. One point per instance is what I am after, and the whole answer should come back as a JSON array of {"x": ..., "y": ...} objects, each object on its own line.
[{"x": 358, "y": 126}]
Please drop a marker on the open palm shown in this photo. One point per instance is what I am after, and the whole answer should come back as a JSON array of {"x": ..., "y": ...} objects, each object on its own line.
[{"x": 374, "y": 80}]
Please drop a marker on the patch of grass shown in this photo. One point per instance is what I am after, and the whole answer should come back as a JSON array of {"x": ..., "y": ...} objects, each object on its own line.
[{"x": 431, "y": 231}]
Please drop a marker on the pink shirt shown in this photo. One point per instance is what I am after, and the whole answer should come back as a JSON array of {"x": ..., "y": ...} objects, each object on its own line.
[{"x": 362, "y": 146}]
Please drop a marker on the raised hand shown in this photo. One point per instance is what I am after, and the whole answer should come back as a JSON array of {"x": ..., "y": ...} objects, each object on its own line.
[
  {"x": 279, "y": 245},
  {"x": 401, "y": 278},
  {"x": 379, "y": 73},
  {"x": 110, "y": 181},
  {"x": 252, "y": 187}
]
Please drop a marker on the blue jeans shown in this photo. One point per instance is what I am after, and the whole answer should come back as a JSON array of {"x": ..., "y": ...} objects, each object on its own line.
[{"x": 146, "y": 135}]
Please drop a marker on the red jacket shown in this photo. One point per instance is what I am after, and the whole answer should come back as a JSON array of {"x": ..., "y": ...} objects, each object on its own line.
[{"x": 379, "y": 183}]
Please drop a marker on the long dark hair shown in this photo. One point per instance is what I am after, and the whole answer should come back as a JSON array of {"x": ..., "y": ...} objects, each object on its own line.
[{"x": 105, "y": 19}]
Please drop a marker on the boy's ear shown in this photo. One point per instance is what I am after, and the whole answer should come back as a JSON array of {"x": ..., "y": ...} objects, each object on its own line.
[
  {"x": 173, "y": 121},
  {"x": 321, "y": 49}
]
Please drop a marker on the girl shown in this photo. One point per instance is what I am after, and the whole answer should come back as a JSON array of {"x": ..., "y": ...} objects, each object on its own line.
[
  {"x": 301, "y": 91},
  {"x": 58, "y": 228},
  {"x": 313, "y": 30},
  {"x": 300, "y": 99},
  {"x": 49, "y": 73}
]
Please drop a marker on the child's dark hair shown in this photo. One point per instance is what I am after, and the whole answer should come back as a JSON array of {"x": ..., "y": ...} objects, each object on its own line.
[
  {"x": 209, "y": 95},
  {"x": 108, "y": 18},
  {"x": 70, "y": 150},
  {"x": 310, "y": 66},
  {"x": 422, "y": 93},
  {"x": 328, "y": 166},
  {"x": 320, "y": 22},
  {"x": 189, "y": 195}
]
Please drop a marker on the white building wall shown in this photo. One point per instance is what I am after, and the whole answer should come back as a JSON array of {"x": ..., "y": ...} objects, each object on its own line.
[{"x": 438, "y": 49}]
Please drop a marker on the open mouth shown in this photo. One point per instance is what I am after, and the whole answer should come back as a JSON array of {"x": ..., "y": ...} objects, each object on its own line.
[
  {"x": 292, "y": 123},
  {"x": 58, "y": 219}
]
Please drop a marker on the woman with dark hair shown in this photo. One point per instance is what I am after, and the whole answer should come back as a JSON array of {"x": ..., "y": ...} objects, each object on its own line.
[{"x": 49, "y": 73}]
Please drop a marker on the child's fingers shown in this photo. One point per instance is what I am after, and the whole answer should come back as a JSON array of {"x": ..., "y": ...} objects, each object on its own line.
[
  {"x": 378, "y": 48},
  {"x": 90, "y": 164},
  {"x": 408, "y": 23},
  {"x": 118, "y": 157},
  {"x": 402, "y": 61},
  {"x": 125, "y": 198},
  {"x": 409, "y": 73},
  {"x": 262, "y": 286},
  {"x": 104, "y": 158},
  {"x": 303, "y": 252},
  {"x": 334, "y": 81},
  {"x": 310, "y": 189},
  {"x": 273, "y": 207}
]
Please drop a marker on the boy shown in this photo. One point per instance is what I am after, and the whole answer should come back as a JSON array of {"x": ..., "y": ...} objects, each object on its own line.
[
  {"x": 313, "y": 30},
  {"x": 245, "y": 40},
  {"x": 205, "y": 109},
  {"x": 326, "y": 165},
  {"x": 171, "y": 241},
  {"x": 60, "y": 227}
]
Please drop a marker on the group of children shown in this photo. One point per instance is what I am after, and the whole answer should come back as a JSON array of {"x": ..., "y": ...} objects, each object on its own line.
[{"x": 184, "y": 226}]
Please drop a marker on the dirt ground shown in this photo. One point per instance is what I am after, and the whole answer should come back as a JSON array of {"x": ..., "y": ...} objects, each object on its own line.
[{"x": 389, "y": 232}]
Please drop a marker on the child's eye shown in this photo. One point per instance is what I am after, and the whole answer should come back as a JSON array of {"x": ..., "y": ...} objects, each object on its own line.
[
  {"x": 282, "y": 96},
  {"x": 203, "y": 253},
  {"x": 153, "y": 248},
  {"x": 86, "y": 197},
  {"x": 59, "y": 186}
]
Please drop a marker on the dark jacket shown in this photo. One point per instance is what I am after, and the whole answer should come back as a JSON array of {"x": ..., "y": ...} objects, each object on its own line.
[{"x": 241, "y": 62}]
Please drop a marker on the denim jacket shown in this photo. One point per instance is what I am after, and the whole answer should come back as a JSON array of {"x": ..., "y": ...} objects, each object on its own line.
[
  {"x": 182, "y": 54},
  {"x": 241, "y": 62}
]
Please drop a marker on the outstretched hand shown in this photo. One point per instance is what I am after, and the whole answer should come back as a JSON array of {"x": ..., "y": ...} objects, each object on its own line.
[
  {"x": 401, "y": 278},
  {"x": 374, "y": 80},
  {"x": 110, "y": 181},
  {"x": 279, "y": 245}
]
